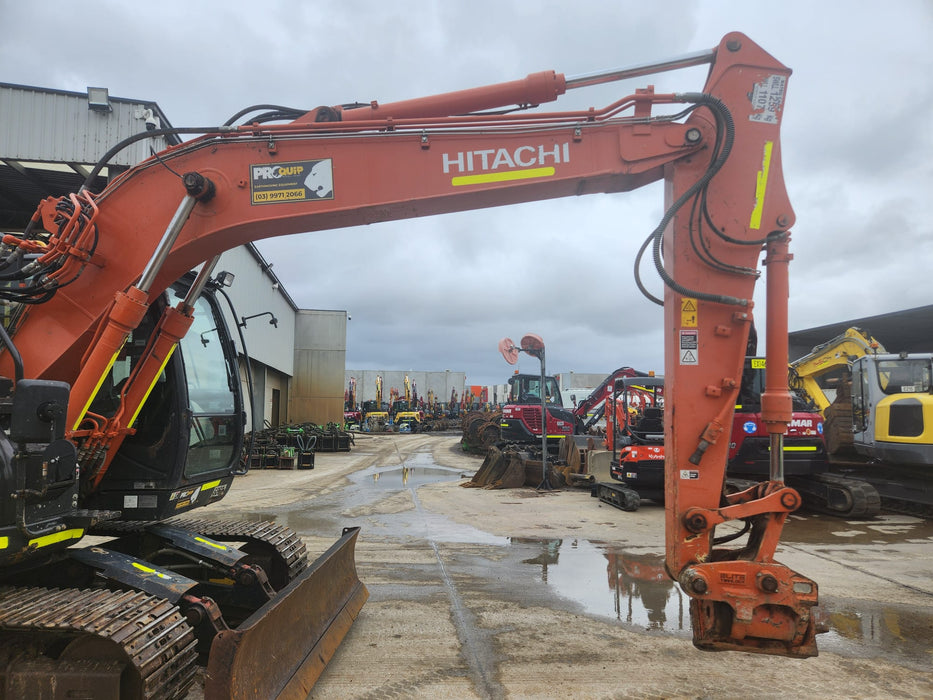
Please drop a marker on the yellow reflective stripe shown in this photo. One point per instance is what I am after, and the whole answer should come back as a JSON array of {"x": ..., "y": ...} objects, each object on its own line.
[
  {"x": 150, "y": 570},
  {"x": 210, "y": 484},
  {"x": 212, "y": 544},
  {"x": 4, "y": 542},
  {"x": 62, "y": 536},
  {"x": 97, "y": 388},
  {"x": 158, "y": 374},
  {"x": 811, "y": 448},
  {"x": 760, "y": 186},
  {"x": 502, "y": 177}
]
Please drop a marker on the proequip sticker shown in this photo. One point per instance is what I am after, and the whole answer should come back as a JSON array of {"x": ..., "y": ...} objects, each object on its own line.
[
  {"x": 689, "y": 347},
  {"x": 768, "y": 99},
  {"x": 300, "y": 181},
  {"x": 689, "y": 474}
]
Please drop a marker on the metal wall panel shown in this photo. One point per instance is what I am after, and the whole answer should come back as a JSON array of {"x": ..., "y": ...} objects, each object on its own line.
[
  {"x": 316, "y": 393},
  {"x": 55, "y": 126},
  {"x": 439, "y": 382}
]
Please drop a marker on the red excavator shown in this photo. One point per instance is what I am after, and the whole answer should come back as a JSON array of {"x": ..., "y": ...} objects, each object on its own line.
[
  {"x": 89, "y": 279},
  {"x": 521, "y": 414}
]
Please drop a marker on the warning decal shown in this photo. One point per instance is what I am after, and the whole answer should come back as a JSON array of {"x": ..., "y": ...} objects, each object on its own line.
[
  {"x": 300, "y": 181},
  {"x": 689, "y": 347},
  {"x": 688, "y": 312}
]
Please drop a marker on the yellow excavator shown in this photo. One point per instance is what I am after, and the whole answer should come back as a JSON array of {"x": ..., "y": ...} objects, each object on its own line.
[
  {"x": 375, "y": 416},
  {"x": 405, "y": 415},
  {"x": 878, "y": 411}
]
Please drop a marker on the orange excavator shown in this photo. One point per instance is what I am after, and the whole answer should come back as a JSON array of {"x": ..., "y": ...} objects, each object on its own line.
[{"x": 101, "y": 374}]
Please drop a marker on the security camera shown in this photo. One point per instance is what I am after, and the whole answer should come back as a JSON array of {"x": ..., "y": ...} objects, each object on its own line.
[
  {"x": 275, "y": 286},
  {"x": 147, "y": 115}
]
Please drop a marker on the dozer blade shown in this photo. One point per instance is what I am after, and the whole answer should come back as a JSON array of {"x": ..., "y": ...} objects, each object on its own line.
[{"x": 281, "y": 650}]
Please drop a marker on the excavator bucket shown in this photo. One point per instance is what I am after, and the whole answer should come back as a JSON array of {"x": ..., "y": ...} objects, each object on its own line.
[
  {"x": 491, "y": 469},
  {"x": 513, "y": 475},
  {"x": 281, "y": 650},
  {"x": 500, "y": 470}
]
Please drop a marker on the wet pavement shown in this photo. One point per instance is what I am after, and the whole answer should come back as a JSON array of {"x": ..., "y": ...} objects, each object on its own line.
[{"x": 616, "y": 581}]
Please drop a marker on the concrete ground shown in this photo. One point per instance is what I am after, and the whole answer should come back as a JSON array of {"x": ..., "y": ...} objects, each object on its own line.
[{"x": 519, "y": 594}]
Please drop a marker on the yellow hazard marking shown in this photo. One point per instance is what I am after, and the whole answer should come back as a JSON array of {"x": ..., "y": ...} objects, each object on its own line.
[
  {"x": 222, "y": 581},
  {"x": 482, "y": 178},
  {"x": 99, "y": 383},
  {"x": 688, "y": 312},
  {"x": 758, "y": 363},
  {"x": 761, "y": 186},
  {"x": 168, "y": 356},
  {"x": 210, "y": 484},
  {"x": 150, "y": 570},
  {"x": 212, "y": 544},
  {"x": 4, "y": 542},
  {"x": 54, "y": 538}
]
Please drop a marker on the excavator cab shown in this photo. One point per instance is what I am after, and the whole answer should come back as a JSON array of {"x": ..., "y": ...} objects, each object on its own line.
[
  {"x": 521, "y": 416},
  {"x": 188, "y": 436}
]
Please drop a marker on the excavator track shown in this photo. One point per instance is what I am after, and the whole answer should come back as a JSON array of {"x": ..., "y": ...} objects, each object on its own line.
[
  {"x": 78, "y": 643},
  {"x": 902, "y": 490},
  {"x": 290, "y": 552},
  {"x": 834, "y": 494},
  {"x": 281, "y": 551}
]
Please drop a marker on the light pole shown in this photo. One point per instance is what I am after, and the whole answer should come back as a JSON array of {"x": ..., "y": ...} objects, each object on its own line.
[{"x": 533, "y": 345}]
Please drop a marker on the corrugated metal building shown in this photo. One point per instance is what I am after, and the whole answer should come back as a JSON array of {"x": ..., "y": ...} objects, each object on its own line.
[
  {"x": 441, "y": 383},
  {"x": 266, "y": 318},
  {"x": 50, "y": 140}
]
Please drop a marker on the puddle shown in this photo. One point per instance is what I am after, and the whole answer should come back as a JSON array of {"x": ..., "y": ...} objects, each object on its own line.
[
  {"x": 627, "y": 586},
  {"x": 633, "y": 588},
  {"x": 883, "y": 529},
  {"x": 378, "y": 500},
  {"x": 417, "y": 471}
]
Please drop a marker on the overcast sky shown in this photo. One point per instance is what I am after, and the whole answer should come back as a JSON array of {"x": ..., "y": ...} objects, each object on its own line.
[{"x": 439, "y": 293}]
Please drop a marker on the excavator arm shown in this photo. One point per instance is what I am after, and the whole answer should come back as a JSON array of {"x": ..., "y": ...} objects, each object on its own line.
[
  {"x": 836, "y": 353},
  {"x": 718, "y": 152},
  {"x": 597, "y": 398}
]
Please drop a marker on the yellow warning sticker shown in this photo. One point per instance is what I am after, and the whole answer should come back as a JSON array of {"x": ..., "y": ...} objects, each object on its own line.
[
  {"x": 688, "y": 312},
  {"x": 759, "y": 363}
]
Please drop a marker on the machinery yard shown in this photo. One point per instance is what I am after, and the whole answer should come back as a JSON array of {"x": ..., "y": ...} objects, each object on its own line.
[
  {"x": 338, "y": 555},
  {"x": 517, "y": 593}
]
